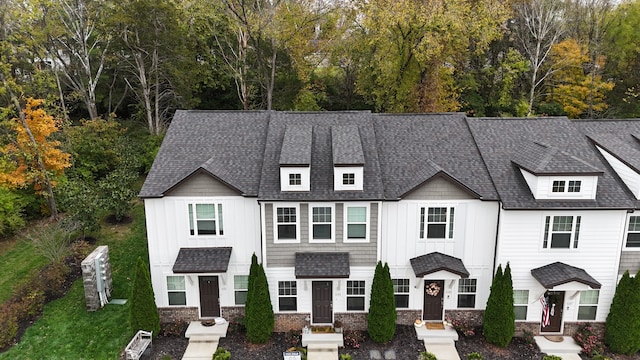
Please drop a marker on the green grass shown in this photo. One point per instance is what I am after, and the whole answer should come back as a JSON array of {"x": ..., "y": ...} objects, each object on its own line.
[
  {"x": 67, "y": 331},
  {"x": 16, "y": 264}
]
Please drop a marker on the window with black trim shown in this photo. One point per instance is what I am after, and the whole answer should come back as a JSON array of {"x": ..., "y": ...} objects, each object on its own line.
[
  {"x": 467, "y": 293},
  {"x": 240, "y": 287},
  {"x": 287, "y": 296},
  {"x": 286, "y": 223},
  {"x": 401, "y": 293},
  {"x": 436, "y": 222},
  {"x": 520, "y": 303},
  {"x": 561, "y": 232},
  {"x": 355, "y": 295},
  {"x": 295, "y": 179},
  {"x": 177, "y": 290},
  {"x": 633, "y": 232},
  {"x": 205, "y": 219}
]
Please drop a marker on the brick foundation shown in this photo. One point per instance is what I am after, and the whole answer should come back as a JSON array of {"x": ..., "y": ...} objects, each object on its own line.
[
  {"x": 570, "y": 328},
  {"x": 286, "y": 322},
  {"x": 407, "y": 317},
  {"x": 176, "y": 314},
  {"x": 352, "y": 321},
  {"x": 473, "y": 318},
  {"x": 532, "y": 327}
]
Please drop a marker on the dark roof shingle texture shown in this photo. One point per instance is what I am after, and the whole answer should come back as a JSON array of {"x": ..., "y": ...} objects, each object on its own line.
[
  {"x": 322, "y": 265},
  {"x": 559, "y": 273},
  {"x": 435, "y": 261},
  {"x": 202, "y": 260}
]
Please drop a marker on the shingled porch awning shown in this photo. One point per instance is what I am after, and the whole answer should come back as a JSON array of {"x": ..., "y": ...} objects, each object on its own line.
[
  {"x": 325, "y": 265},
  {"x": 202, "y": 260},
  {"x": 559, "y": 273},
  {"x": 433, "y": 262}
]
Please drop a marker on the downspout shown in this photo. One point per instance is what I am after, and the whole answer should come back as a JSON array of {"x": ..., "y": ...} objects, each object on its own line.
[{"x": 495, "y": 246}]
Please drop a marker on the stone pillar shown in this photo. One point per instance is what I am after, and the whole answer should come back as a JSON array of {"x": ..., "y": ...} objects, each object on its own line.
[{"x": 90, "y": 277}]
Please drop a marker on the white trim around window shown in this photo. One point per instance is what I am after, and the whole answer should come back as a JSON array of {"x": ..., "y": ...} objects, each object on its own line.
[
  {"x": 205, "y": 218},
  {"x": 286, "y": 223},
  {"x": 176, "y": 290},
  {"x": 322, "y": 223},
  {"x": 520, "y": 304},
  {"x": 632, "y": 240},
  {"x": 356, "y": 222},
  {"x": 561, "y": 231}
]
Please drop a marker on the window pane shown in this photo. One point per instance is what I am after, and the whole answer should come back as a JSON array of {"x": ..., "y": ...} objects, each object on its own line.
[
  {"x": 286, "y": 231},
  {"x": 288, "y": 304},
  {"x": 355, "y": 303},
  {"x": 562, "y": 223},
  {"x": 205, "y": 211},
  {"x": 558, "y": 186},
  {"x": 421, "y": 223},
  {"x": 589, "y": 297},
  {"x": 356, "y": 214},
  {"x": 634, "y": 223},
  {"x": 322, "y": 231},
  {"x": 175, "y": 283},
  {"x": 241, "y": 282},
  {"x": 241, "y": 297},
  {"x": 321, "y": 214},
  {"x": 436, "y": 231},
  {"x": 402, "y": 301},
  {"x": 520, "y": 312},
  {"x": 560, "y": 241},
  {"x": 587, "y": 312},
  {"x": 191, "y": 226},
  {"x": 220, "y": 227},
  {"x": 177, "y": 298},
  {"x": 467, "y": 285},
  {"x": 437, "y": 215},
  {"x": 451, "y": 223},
  {"x": 466, "y": 301},
  {"x": 357, "y": 231},
  {"x": 206, "y": 227},
  {"x": 400, "y": 285},
  {"x": 355, "y": 287},
  {"x": 520, "y": 296},
  {"x": 633, "y": 240},
  {"x": 286, "y": 215},
  {"x": 574, "y": 186}
]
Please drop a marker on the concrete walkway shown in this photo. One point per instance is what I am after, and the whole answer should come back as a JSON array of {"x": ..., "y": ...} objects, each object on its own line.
[
  {"x": 440, "y": 343},
  {"x": 203, "y": 340},
  {"x": 567, "y": 349},
  {"x": 322, "y": 346}
]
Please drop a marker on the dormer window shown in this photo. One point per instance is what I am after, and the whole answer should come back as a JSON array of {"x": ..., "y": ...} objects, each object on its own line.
[
  {"x": 348, "y": 158},
  {"x": 572, "y": 186},
  {"x": 295, "y": 179},
  {"x": 348, "y": 179},
  {"x": 558, "y": 186},
  {"x": 295, "y": 159}
]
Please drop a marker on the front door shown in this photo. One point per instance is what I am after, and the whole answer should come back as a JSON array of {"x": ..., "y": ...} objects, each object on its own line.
[
  {"x": 552, "y": 312},
  {"x": 209, "y": 296},
  {"x": 433, "y": 299},
  {"x": 322, "y": 297}
]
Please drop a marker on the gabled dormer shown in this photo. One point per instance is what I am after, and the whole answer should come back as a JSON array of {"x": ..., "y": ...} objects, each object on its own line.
[
  {"x": 623, "y": 157},
  {"x": 553, "y": 174},
  {"x": 348, "y": 158},
  {"x": 295, "y": 158}
]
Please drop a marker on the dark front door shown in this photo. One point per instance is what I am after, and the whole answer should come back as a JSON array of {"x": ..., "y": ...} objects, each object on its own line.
[
  {"x": 552, "y": 311},
  {"x": 209, "y": 296},
  {"x": 322, "y": 302},
  {"x": 433, "y": 292}
]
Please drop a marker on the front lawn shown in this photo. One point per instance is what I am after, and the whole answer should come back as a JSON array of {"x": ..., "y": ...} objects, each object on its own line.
[
  {"x": 17, "y": 261},
  {"x": 66, "y": 330}
]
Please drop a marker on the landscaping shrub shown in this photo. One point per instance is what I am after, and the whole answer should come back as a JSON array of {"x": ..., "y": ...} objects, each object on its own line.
[
  {"x": 8, "y": 325},
  {"x": 253, "y": 273},
  {"x": 293, "y": 337},
  {"x": 221, "y": 354},
  {"x": 144, "y": 313},
  {"x": 29, "y": 305},
  {"x": 260, "y": 311},
  {"x": 622, "y": 333},
  {"x": 462, "y": 327},
  {"x": 381, "y": 320},
  {"x": 425, "y": 355},
  {"x": 551, "y": 357},
  {"x": 11, "y": 212},
  {"x": 53, "y": 279},
  {"x": 590, "y": 342},
  {"x": 475, "y": 355},
  {"x": 173, "y": 329},
  {"x": 528, "y": 337},
  {"x": 352, "y": 339},
  {"x": 499, "y": 318},
  {"x": 236, "y": 325},
  {"x": 345, "y": 357}
]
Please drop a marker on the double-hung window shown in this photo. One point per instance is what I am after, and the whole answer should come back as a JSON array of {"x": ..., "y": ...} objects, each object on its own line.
[
  {"x": 205, "y": 219},
  {"x": 321, "y": 223},
  {"x": 520, "y": 303},
  {"x": 240, "y": 287},
  {"x": 561, "y": 232},
  {"x": 286, "y": 223},
  {"x": 355, "y": 295},
  {"x": 436, "y": 222},
  {"x": 467, "y": 293},
  {"x": 401, "y": 292},
  {"x": 177, "y": 291},
  {"x": 287, "y": 296},
  {"x": 356, "y": 223},
  {"x": 588, "y": 304},
  {"x": 633, "y": 232}
]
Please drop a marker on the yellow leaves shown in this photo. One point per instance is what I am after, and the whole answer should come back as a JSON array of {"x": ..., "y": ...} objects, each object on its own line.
[{"x": 20, "y": 165}]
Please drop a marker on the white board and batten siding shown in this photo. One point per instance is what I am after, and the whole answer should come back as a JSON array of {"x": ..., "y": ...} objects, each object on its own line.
[
  {"x": 474, "y": 235},
  {"x": 168, "y": 230},
  {"x": 630, "y": 177},
  {"x": 520, "y": 243}
]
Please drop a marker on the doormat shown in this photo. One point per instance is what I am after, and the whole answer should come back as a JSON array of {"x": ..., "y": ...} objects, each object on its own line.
[
  {"x": 435, "y": 326},
  {"x": 554, "y": 338},
  {"x": 321, "y": 329}
]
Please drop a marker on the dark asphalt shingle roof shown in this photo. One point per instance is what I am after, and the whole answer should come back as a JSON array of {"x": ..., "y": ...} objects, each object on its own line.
[
  {"x": 346, "y": 145},
  {"x": 202, "y": 260},
  {"x": 322, "y": 265},
  {"x": 296, "y": 145},
  {"x": 435, "y": 261},
  {"x": 540, "y": 159},
  {"x": 501, "y": 141},
  {"x": 559, "y": 273}
]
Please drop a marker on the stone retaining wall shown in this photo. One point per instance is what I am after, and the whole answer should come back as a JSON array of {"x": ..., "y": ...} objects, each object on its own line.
[{"x": 89, "y": 280}]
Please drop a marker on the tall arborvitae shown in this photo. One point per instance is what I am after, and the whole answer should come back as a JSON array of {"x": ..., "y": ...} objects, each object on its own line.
[
  {"x": 143, "y": 311},
  {"x": 259, "y": 311},
  {"x": 381, "y": 320},
  {"x": 253, "y": 271},
  {"x": 622, "y": 333},
  {"x": 496, "y": 311}
]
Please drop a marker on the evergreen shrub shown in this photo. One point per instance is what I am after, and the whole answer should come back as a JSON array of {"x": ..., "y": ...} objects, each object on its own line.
[
  {"x": 499, "y": 318},
  {"x": 381, "y": 320},
  {"x": 143, "y": 311},
  {"x": 259, "y": 311}
]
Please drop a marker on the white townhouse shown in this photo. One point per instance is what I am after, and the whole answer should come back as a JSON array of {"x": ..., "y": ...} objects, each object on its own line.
[{"x": 321, "y": 197}]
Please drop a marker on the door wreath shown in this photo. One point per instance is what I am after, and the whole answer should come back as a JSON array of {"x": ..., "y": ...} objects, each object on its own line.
[{"x": 432, "y": 289}]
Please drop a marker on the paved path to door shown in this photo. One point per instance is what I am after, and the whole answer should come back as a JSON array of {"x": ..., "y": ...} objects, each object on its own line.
[
  {"x": 203, "y": 340},
  {"x": 439, "y": 342},
  {"x": 567, "y": 349}
]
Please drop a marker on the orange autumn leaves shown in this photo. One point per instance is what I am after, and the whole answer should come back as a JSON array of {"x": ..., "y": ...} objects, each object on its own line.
[{"x": 19, "y": 159}]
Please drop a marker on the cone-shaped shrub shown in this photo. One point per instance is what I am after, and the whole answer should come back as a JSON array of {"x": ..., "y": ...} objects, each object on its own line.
[
  {"x": 623, "y": 322},
  {"x": 253, "y": 272},
  {"x": 499, "y": 318},
  {"x": 143, "y": 311},
  {"x": 259, "y": 310},
  {"x": 381, "y": 321}
]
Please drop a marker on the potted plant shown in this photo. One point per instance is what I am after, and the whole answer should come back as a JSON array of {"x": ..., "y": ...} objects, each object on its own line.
[{"x": 337, "y": 326}]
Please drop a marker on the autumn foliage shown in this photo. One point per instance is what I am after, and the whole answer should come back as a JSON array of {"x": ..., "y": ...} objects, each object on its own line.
[{"x": 21, "y": 166}]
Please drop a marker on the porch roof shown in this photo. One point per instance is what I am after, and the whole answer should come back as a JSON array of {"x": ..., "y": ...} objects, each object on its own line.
[
  {"x": 326, "y": 265},
  {"x": 435, "y": 261},
  {"x": 202, "y": 260},
  {"x": 559, "y": 273}
]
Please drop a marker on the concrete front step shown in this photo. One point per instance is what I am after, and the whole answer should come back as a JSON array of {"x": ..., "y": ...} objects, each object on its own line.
[
  {"x": 437, "y": 335},
  {"x": 442, "y": 350},
  {"x": 322, "y": 354},
  {"x": 566, "y": 346},
  {"x": 313, "y": 339}
]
